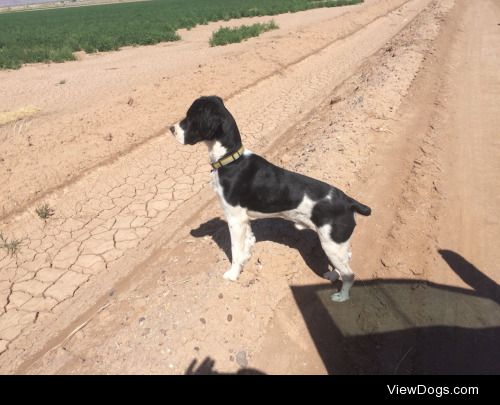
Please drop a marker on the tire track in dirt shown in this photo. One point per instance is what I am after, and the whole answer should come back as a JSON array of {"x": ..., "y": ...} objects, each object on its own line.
[{"x": 114, "y": 224}]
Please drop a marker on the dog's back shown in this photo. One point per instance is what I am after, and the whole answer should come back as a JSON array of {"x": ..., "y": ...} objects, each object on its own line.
[{"x": 263, "y": 188}]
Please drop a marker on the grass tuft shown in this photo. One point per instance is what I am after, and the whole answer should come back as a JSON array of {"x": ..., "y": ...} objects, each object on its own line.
[
  {"x": 226, "y": 35},
  {"x": 44, "y": 211},
  {"x": 11, "y": 246},
  {"x": 12, "y": 116}
]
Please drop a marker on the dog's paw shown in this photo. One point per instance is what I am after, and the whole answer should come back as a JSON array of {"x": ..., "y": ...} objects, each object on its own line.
[
  {"x": 339, "y": 297},
  {"x": 231, "y": 275}
]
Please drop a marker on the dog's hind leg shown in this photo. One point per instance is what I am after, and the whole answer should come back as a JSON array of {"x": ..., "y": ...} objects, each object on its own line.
[
  {"x": 339, "y": 255},
  {"x": 242, "y": 240}
]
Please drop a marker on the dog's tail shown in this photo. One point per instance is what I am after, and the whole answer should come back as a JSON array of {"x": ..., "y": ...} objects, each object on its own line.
[{"x": 360, "y": 208}]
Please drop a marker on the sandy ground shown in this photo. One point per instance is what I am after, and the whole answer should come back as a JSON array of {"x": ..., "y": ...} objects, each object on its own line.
[{"x": 392, "y": 101}]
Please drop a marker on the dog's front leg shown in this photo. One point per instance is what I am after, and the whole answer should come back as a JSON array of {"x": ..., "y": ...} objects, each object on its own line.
[{"x": 241, "y": 238}]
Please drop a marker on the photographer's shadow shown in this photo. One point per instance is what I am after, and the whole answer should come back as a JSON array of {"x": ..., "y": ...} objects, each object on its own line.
[{"x": 395, "y": 326}]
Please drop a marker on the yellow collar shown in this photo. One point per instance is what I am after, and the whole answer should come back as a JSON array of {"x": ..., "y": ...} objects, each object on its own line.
[{"x": 228, "y": 158}]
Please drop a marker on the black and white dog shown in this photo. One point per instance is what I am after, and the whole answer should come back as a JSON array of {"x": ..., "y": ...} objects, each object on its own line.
[{"x": 250, "y": 187}]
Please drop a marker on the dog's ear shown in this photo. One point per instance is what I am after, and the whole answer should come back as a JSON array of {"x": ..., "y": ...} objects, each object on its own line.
[{"x": 210, "y": 124}]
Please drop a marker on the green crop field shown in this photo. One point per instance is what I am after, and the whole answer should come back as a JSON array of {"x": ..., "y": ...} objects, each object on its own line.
[{"x": 53, "y": 35}]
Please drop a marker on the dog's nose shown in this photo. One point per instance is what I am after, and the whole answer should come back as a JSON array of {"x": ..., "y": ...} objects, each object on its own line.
[{"x": 172, "y": 129}]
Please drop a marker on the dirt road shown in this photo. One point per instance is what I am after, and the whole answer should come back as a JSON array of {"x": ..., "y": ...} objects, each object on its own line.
[{"x": 392, "y": 101}]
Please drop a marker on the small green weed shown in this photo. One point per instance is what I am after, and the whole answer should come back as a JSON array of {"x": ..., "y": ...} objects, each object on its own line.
[
  {"x": 11, "y": 246},
  {"x": 44, "y": 211}
]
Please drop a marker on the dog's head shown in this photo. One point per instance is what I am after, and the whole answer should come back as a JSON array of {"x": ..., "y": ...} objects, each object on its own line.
[{"x": 207, "y": 120}]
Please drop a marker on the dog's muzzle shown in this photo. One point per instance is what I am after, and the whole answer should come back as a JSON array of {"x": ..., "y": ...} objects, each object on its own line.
[{"x": 178, "y": 132}]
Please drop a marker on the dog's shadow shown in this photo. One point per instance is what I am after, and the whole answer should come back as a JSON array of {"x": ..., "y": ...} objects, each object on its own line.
[{"x": 276, "y": 230}]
